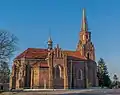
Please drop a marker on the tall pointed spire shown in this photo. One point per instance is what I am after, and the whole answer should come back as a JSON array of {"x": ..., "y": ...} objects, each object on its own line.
[{"x": 84, "y": 26}]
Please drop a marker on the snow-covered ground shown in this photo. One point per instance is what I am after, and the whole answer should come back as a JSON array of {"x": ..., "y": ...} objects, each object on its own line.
[{"x": 90, "y": 91}]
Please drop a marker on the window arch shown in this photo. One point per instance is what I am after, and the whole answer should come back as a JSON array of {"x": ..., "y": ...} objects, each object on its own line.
[
  {"x": 88, "y": 56},
  {"x": 80, "y": 74},
  {"x": 57, "y": 71}
]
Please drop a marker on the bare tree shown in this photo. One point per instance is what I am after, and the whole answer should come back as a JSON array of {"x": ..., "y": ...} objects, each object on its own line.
[
  {"x": 7, "y": 45},
  {"x": 4, "y": 72}
]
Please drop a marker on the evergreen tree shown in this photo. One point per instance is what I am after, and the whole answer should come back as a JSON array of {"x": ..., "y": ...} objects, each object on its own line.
[
  {"x": 115, "y": 82},
  {"x": 115, "y": 78},
  {"x": 103, "y": 77},
  {"x": 4, "y": 72}
]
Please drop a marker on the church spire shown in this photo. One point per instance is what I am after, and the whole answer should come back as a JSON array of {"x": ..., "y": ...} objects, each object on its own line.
[
  {"x": 84, "y": 26},
  {"x": 85, "y": 45},
  {"x": 50, "y": 42}
]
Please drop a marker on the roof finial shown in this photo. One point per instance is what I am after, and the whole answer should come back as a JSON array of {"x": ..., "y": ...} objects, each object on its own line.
[
  {"x": 84, "y": 26},
  {"x": 50, "y": 40}
]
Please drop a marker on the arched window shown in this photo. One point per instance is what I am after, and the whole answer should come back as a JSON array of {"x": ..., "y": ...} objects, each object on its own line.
[
  {"x": 88, "y": 55},
  {"x": 80, "y": 74},
  {"x": 83, "y": 37},
  {"x": 57, "y": 71},
  {"x": 1, "y": 88}
]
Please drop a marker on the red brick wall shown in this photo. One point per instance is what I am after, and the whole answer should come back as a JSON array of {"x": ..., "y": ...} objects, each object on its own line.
[
  {"x": 92, "y": 74},
  {"x": 77, "y": 83},
  {"x": 44, "y": 77},
  {"x": 59, "y": 82}
]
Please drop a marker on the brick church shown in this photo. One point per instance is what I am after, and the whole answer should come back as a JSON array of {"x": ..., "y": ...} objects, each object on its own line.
[{"x": 56, "y": 68}]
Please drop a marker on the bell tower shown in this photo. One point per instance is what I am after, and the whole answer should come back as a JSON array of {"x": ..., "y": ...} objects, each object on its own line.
[
  {"x": 50, "y": 43},
  {"x": 85, "y": 45}
]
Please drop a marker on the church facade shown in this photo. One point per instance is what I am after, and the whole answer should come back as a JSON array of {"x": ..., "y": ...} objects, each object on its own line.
[{"x": 55, "y": 68}]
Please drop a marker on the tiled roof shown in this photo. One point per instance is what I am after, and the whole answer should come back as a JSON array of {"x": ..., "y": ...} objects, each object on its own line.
[
  {"x": 74, "y": 55},
  {"x": 33, "y": 53}
]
